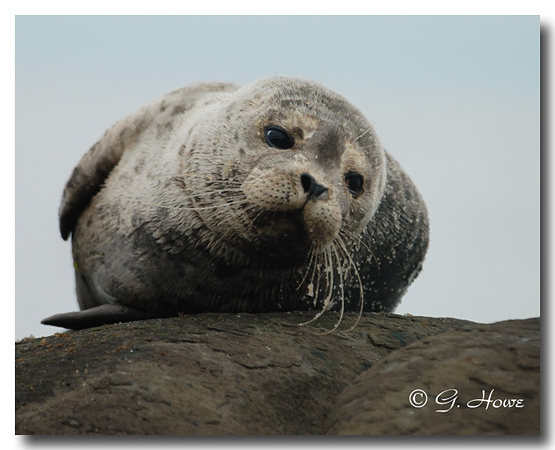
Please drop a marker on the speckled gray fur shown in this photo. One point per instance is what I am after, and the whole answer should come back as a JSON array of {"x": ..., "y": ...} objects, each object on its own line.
[{"x": 183, "y": 207}]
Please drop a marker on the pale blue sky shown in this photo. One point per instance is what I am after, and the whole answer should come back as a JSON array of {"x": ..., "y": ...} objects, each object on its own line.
[
  {"x": 454, "y": 99},
  {"x": 480, "y": 54}
]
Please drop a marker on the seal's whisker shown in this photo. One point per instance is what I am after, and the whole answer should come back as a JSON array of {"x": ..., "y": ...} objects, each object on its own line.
[
  {"x": 310, "y": 260},
  {"x": 235, "y": 218},
  {"x": 370, "y": 128},
  {"x": 208, "y": 182},
  {"x": 379, "y": 118},
  {"x": 316, "y": 286},
  {"x": 239, "y": 202},
  {"x": 341, "y": 286},
  {"x": 328, "y": 270},
  {"x": 360, "y": 240},
  {"x": 329, "y": 279},
  {"x": 352, "y": 264}
]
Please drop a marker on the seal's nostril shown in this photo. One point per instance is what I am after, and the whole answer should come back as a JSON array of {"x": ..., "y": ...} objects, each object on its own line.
[
  {"x": 312, "y": 188},
  {"x": 307, "y": 181}
]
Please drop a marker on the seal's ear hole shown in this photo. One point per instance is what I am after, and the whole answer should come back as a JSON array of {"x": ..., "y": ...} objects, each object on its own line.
[
  {"x": 354, "y": 182},
  {"x": 277, "y": 137}
]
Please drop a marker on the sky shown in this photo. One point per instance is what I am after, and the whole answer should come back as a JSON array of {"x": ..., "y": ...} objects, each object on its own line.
[{"x": 455, "y": 99}]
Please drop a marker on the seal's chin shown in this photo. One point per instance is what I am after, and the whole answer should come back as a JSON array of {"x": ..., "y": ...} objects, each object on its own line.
[
  {"x": 287, "y": 235},
  {"x": 281, "y": 229}
]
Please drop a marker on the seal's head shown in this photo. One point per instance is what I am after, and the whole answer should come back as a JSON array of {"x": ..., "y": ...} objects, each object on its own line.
[{"x": 305, "y": 166}]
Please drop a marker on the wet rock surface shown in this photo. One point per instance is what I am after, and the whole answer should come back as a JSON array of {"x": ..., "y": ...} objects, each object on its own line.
[{"x": 263, "y": 374}]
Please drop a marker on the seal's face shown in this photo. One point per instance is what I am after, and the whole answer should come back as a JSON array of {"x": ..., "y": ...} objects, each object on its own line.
[{"x": 304, "y": 165}]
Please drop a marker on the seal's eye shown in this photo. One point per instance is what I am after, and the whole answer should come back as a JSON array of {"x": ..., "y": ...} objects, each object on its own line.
[
  {"x": 278, "y": 138},
  {"x": 354, "y": 182}
]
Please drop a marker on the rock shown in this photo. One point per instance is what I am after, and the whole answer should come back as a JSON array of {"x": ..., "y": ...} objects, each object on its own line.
[
  {"x": 244, "y": 374},
  {"x": 483, "y": 379}
]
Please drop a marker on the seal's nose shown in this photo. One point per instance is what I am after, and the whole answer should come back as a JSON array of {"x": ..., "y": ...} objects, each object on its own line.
[{"x": 314, "y": 190}]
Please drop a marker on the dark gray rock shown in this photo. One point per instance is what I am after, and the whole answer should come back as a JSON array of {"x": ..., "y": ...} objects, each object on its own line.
[
  {"x": 245, "y": 374},
  {"x": 483, "y": 379}
]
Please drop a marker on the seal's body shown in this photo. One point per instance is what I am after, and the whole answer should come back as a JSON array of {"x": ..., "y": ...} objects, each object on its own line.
[{"x": 271, "y": 197}]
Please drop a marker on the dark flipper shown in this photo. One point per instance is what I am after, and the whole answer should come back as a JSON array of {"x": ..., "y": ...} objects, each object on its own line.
[{"x": 99, "y": 315}]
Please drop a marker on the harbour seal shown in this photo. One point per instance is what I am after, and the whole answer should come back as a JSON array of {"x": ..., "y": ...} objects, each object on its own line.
[{"x": 275, "y": 196}]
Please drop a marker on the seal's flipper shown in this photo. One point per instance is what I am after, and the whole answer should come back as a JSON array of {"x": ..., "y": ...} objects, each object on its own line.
[
  {"x": 99, "y": 315},
  {"x": 93, "y": 169}
]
